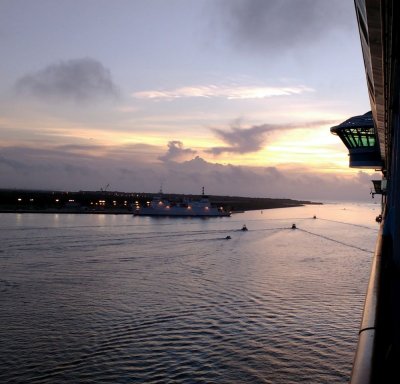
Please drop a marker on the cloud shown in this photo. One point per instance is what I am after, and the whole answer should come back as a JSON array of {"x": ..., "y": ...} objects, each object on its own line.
[
  {"x": 14, "y": 164},
  {"x": 23, "y": 167},
  {"x": 79, "y": 80},
  {"x": 227, "y": 92},
  {"x": 176, "y": 152},
  {"x": 284, "y": 24},
  {"x": 246, "y": 140},
  {"x": 242, "y": 140},
  {"x": 265, "y": 181}
]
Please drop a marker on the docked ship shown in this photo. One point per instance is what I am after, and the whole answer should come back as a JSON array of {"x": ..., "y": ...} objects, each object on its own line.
[{"x": 160, "y": 206}]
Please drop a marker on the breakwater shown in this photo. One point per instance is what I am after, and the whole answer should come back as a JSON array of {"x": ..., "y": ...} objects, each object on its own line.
[{"x": 114, "y": 202}]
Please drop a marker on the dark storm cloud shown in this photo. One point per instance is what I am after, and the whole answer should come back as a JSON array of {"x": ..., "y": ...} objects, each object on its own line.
[
  {"x": 79, "y": 80},
  {"x": 176, "y": 152},
  {"x": 283, "y": 24}
]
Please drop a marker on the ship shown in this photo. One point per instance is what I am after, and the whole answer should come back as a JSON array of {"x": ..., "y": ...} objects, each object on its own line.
[
  {"x": 373, "y": 141},
  {"x": 161, "y": 206}
]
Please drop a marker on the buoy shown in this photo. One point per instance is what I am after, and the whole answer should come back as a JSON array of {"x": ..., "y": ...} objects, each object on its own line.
[{"x": 314, "y": 217}]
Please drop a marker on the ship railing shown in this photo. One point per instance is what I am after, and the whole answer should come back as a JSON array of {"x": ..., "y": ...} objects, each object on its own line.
[{"x": 362, "y": 372}]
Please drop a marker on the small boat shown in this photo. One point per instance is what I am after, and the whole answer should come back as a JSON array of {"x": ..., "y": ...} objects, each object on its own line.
[
  {"x": 244, "y": 228},
  {"x": 294, "y": 226}
]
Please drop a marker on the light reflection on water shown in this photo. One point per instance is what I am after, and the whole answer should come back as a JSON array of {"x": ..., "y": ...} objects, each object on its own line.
[{"x": 121, "y": 299}]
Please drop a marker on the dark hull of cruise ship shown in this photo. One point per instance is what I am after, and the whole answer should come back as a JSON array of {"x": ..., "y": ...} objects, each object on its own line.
[{"x": 378, "y": 351}]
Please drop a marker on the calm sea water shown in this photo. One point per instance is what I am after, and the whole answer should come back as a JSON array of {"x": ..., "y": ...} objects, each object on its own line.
[{"x": 122, "y": 299}]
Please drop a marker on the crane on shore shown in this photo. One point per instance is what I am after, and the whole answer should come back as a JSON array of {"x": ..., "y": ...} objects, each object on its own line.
[{"x": 105, "y": 188}]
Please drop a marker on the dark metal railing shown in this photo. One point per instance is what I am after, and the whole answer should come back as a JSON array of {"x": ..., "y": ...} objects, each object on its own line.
[{"x": 362, "y": 372}]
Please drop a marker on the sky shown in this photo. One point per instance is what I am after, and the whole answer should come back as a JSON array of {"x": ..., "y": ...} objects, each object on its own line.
[{"x": 234, "y": 95}]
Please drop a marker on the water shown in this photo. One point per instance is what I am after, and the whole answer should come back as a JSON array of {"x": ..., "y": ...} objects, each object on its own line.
[{"x": 122, "y": 299}]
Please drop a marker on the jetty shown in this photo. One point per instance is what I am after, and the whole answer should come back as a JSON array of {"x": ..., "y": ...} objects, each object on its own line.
[{"x": 114, "y": 202}]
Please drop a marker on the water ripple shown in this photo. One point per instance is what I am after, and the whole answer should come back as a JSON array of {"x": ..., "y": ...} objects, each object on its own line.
[{"x": 174, "y": 302}]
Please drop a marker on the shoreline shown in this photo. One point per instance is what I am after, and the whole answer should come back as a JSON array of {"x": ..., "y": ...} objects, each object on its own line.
[
  {"x": 124, "y": 212},
  {"x": 122, "y": 203}
]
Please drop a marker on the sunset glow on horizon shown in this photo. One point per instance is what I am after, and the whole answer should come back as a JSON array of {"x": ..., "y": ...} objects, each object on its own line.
[{"x": 151, "y": 93}]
